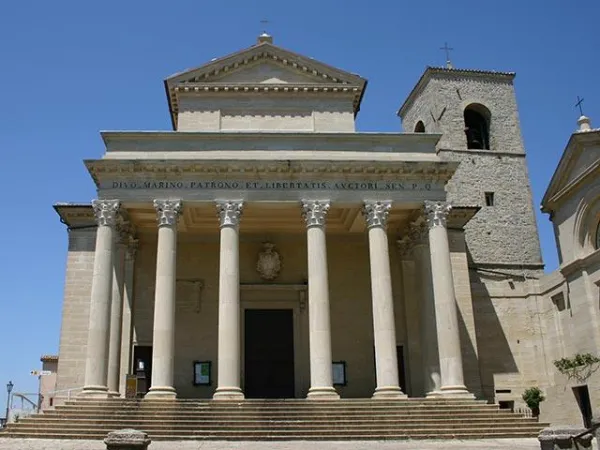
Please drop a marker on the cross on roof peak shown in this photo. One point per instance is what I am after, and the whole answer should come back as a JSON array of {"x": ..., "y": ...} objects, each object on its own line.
[{"x": 447, "y": 50}]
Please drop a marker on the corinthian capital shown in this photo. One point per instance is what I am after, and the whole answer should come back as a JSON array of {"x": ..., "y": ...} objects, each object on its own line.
[
  {"x": 106, "y": 212},
  {"x": 437, "y": 213},
  {"x": 229, "y": 212},
  {"x": 167, "y": 211},
  {"x": 314, "y": 212},
  {"x": 376, "y": 213}
]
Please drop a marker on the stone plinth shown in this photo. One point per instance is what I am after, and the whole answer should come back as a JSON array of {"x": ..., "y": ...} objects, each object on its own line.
[
  {"x": 127, "y": 439},
  {"x": 561, "y": 437}
]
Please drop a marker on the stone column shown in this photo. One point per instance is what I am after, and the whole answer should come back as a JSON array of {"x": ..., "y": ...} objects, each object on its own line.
[
  {"x": 95, "y": 384},
  {"x": 163, "y": 339},
  {"x": 127, "y": 332},
  {"x": 229, "y": 352},
  {"x": 429, "y": 347},
  {"x": 384, "y": 326},
  {"x": 451, "y": 371},
  {"x": 314, "y": 213},
  {"x": 116, "y": 313}
]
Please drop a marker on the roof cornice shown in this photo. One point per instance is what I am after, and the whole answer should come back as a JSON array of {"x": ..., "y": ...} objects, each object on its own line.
[
  {"x": 431, "y": 72},
  {"x": 574, "y": 147}
]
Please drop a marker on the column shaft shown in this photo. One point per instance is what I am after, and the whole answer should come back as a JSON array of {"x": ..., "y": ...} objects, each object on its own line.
[
  {"x": 127, "y": 334},
  {"x": 451, "y": 371},
  {"x": 384, "y": 326},
  {"x": 321, "y": 377},
  {"x": 429, "y": 348},
  {"x": 163, "y": 339},
  {"x": 95, "y": 383},
  {"x": 229, "y": 345},
  {"x": 116, "y": 320}
]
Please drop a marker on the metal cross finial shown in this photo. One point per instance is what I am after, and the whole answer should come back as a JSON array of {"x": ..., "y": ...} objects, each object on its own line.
[
  {"x": 447, "y": 50},
  {"x": 264, "y": 23},
  {"x": 578, "y": 104}
]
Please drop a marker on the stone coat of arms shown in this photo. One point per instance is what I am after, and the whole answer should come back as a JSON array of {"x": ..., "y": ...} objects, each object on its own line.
[{"x": 269, "y": 262}]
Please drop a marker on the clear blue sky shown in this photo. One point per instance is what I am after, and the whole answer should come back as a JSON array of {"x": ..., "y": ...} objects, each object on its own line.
[{"x": 69, "y": 69}]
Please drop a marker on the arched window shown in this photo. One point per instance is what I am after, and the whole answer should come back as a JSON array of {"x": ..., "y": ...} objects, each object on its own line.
[
  {"x": 477, "y": 126},
  {"x": 420, "y": 127}
]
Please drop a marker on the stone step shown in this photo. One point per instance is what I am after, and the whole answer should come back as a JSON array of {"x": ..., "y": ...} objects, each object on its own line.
[
  {"x": 277, "y": 420},
  {"x": 289, "y": 416},
  {"x": 446, "y": 408},
  {"x": 100, "y": 434},
  {"x": 192, "y": 421}
]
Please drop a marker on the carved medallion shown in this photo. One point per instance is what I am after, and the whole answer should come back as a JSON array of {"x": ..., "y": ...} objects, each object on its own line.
[{"x": 269, "y": 262}]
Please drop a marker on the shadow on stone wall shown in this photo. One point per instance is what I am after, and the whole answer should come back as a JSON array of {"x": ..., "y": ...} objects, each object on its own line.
[{"x": 495, "y": 354}]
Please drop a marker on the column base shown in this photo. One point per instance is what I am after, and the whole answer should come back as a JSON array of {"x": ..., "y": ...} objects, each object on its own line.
[
  {"x": 228, "y": 393},
  {"x": 94, "y": 392},
  {"x": 322, "y": 393},
  {"x": 113, "y": 394},
  {"x": 388, "y": 392},
  {"x": 433, "y": 394},
  {"x": 456, "y": 392},
  {"x": 161, "y": 393}
]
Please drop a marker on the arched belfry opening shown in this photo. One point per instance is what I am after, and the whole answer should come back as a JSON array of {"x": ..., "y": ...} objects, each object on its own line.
[
  {"x": 420, "y": 127},
  {"x": 477, "y": 126}
]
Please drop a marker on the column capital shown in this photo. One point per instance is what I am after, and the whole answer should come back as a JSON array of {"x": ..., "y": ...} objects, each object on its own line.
[
  {"x": 106, "y": 212},
  {"x": 229, "y": 212},
  {"x": 376, "y": 213},
  {"x": 167, "y": 211},
  {"x": 314, "y": 212},
  {"x": 437, "y": 213}
]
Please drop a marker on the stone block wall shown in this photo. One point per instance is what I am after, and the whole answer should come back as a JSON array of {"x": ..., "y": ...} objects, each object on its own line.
[{"x": 75, "y": 312}]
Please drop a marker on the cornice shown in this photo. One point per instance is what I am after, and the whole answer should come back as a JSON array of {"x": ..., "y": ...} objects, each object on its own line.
[
  {"x": 253, "y": 140},
  {"x": 430, "y": 72},
  {"x": 434, "y": 171},
  {"x": 550, "y": 204},
  {"x": 580, "y": 263},
  {"x": 577, "y": 143},
  {"x": 76, "y": 214}
]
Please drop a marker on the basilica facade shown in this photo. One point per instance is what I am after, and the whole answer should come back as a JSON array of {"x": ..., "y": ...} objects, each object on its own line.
[{"x": 266, "y": 249}]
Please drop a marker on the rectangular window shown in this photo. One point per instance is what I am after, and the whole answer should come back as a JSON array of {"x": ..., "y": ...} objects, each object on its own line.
[{"x": 489, "y": 199}]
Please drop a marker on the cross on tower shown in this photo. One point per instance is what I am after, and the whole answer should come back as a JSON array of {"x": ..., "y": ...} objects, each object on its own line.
[
  {"x": 578, "y": 104},
  {"x": 447, "y": 50}
]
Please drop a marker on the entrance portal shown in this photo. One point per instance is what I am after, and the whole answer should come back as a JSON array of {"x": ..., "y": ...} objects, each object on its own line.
[{"x": 269, "y": 353}]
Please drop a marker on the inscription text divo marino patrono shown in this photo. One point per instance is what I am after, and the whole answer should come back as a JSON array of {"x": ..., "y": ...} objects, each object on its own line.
[{"x": 275, "y": 185}]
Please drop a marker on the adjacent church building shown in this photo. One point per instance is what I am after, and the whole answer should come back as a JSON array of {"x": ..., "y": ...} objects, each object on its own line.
[{"x": 264, "y": 248}]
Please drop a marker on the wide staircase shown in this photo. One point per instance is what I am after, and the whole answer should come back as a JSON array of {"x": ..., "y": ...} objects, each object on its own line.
[{"x": 278, "y": 420}]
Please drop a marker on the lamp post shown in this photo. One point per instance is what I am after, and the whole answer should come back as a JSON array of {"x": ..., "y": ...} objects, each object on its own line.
[{"x": 9, "y": 388}]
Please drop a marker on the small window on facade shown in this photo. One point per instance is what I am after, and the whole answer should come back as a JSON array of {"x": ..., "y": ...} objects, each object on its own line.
[
  {"x": 420, "y": 127},
  {"x": 477, "y": 127},
  {"x": 489, "y": 199}
]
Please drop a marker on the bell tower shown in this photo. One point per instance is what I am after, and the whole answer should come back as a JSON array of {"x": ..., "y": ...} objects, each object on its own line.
[{"x": 475, "y": 111}]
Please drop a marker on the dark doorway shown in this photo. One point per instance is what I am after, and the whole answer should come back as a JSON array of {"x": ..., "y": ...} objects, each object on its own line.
[
  {"x": 143, "y": 353},
  {"x": 582, "y": 394},
  {"x": 269, "y": 353},
  {"x": 401, "y": 371}
]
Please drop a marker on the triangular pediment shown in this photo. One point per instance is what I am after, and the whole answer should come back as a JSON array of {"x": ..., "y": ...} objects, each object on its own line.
[
  {"x": 258, "y": 60},
  {"x": 263, "y": 68},
  {"x": 266, "y": 72},
  {"x": 580, "y": 159}
]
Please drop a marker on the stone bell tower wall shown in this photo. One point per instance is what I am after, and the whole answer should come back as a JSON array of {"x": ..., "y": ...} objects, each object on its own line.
[{"x": 503, "y": 235}]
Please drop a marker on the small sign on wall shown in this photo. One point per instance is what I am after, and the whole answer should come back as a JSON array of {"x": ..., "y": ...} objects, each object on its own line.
[
  {"x": 339, "y": 373},
  {"x": 202, "y": 373}
]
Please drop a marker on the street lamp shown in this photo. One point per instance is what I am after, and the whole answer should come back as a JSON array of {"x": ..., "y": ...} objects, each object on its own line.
[{"x": 9, "y": 388}]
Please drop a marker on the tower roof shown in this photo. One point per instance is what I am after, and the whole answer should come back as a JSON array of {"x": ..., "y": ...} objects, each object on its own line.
[{"x": 431, "y": 72}]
